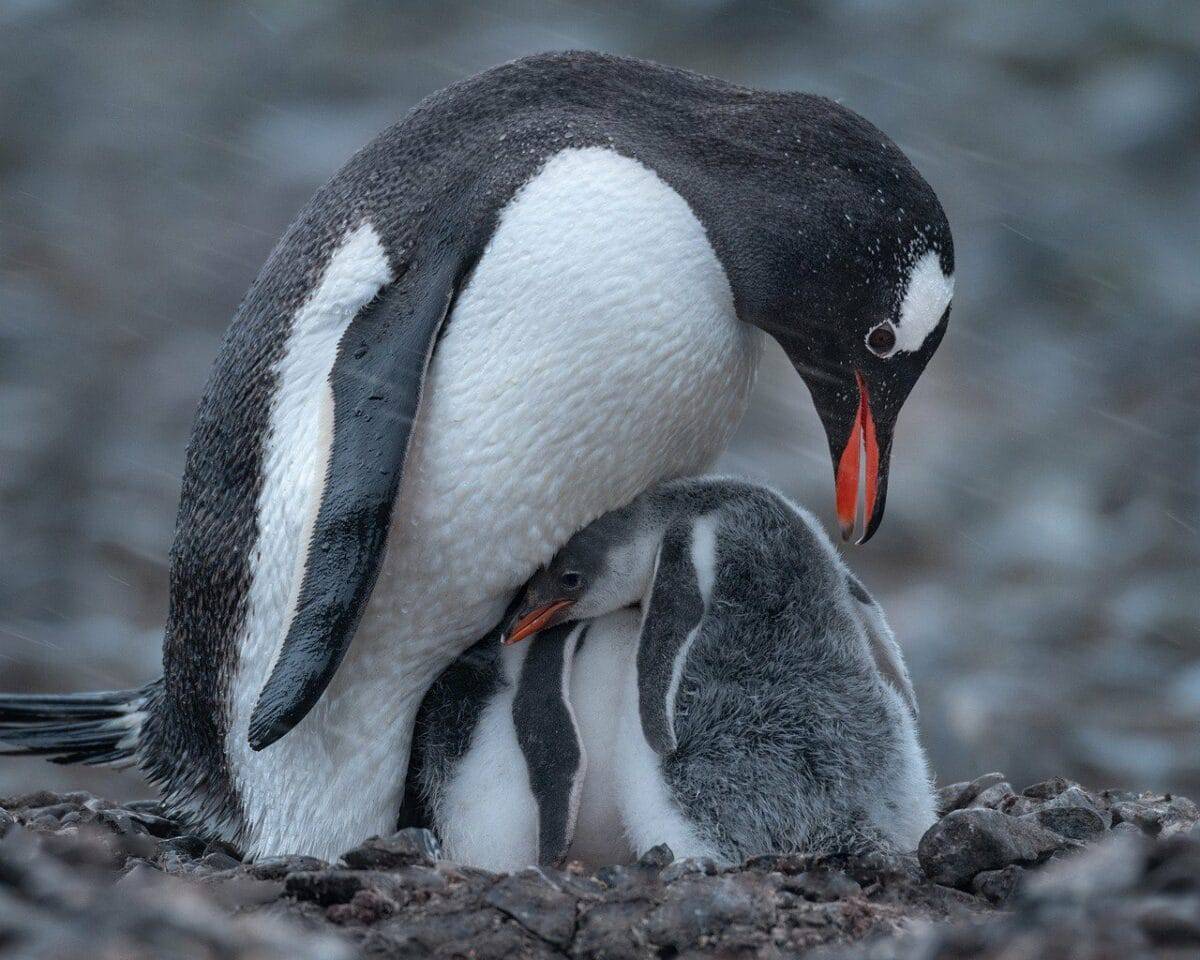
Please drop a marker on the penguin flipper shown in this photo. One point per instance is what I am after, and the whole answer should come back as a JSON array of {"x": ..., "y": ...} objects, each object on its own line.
[
  {"x": 884, "y": 647},
  {"x": 377, "y": 378},
  {"x": 674, "y": 609}
]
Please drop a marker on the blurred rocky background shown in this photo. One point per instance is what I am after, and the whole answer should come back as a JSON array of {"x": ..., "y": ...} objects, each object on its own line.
[{"x": 1040, "y": 556}]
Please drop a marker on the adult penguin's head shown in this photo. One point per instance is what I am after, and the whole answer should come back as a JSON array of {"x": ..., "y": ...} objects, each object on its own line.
[{"x": 837, "y": 247}]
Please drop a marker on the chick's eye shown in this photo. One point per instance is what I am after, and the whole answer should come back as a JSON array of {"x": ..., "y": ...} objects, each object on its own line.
[
  {"x": 570, "y": 580},
  {"x": 881, "y": 339}
]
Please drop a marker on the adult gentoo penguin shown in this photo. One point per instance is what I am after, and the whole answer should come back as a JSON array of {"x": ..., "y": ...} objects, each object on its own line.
[
  {"x": 758, "y": 703},
  {"x": 536, "y": 295}
]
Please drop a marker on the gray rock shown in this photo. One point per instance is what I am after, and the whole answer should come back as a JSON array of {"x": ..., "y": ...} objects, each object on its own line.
[
  {"x": 998, "y": 886},
  {"x": 151, "y": 807},
  {"x": 967, "y": 842},
  {"x": 1074, "y": 822},
  {"x": 1075, "y": 796},
  {"x": 1047, "y": 789},
  {"x": 327, "y": 887},
  {"x": 656, "y": 858},
  {"x": 216, "y": 861},
  {"x": 540, "y": 907},
  {"x": 619, "y": 876},
  {"x": 188, "y": 845},
  {"x": 408, "y": 846},
  {"x": 822, "y": 884},
  {"x": 889, "y": 869},
  {"x": 276, "y": 868},
  {"x": 993, "y": 797},
  {"x": 419, "y": 879},
  {"x": 365, "y": 907},
  {"x": 704, "y": 866},
  {"x": 956, "y": 796},
  {"x": 1155, "y": 815}
]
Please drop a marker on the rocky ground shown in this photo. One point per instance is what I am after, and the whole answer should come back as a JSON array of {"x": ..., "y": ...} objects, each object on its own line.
[{"x": 1052, "y": 871}]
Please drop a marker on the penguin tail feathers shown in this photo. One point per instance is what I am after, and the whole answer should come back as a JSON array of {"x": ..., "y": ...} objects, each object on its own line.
[{"x": 88, "y": 728}]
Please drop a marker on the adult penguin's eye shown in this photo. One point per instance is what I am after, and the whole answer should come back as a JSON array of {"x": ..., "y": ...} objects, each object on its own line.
[
  {"x": 570, "y": 580},
  {"x": 881, "y": 339}
]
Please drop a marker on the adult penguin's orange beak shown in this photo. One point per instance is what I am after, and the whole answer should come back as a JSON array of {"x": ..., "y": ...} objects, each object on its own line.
[
  {"x": 858, "y": 421},
  {"x": 860, "y": 468}
]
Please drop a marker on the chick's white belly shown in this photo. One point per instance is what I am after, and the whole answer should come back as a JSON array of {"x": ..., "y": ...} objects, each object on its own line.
[
  {"x": 601, "y": 675},
  {"x": 487, "y": 815}
]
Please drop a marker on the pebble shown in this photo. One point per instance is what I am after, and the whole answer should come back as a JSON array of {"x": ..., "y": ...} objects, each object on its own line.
[
  {"x": 955, "y": 796},
  {"x": 704, "y": 866},
  {"x": 535, "y": 904},
  {"x": 823, "y": 884},
  {"x": 327, "y": 887},
  {"x": 995, "y": 797},
  {"x": 1047, "y": 789},
  {"x": 1074, "y": 822},
  {"x": 408, "y": 846},
  {"x": 997, "y": 886},
  {"x": 1156, "y": 814},
  {"x": 276, "y": 868},
  {"x": 966, "y": 842}
]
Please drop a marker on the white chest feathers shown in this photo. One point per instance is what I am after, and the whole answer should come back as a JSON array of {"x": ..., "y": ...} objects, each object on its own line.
[{"x": 594, "y": 351}]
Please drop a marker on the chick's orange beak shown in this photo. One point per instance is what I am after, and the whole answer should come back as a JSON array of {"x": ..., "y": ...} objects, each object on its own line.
[
  {"x": 536, "y": 620},
  {"x": 862, "y": 441}
]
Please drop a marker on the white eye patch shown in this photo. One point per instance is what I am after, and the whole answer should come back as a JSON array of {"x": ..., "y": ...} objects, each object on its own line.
[{"x": 925, "y": 300}]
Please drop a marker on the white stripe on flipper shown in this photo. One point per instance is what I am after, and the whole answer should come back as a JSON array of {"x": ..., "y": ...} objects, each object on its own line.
[
  {"x": 885, "y": 650},
  {"x": 704, "y": 560},
  {"x": 704, "y": 553},
  {"x": 295, "y": 460},
  {"x": 599, "y": 679},
  {"x": 925, "y": 300}
]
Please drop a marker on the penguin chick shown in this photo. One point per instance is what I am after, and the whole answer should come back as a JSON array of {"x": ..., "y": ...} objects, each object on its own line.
[
  {"x": 768, "y": 708},
  {"x": 515, "y": 760}
]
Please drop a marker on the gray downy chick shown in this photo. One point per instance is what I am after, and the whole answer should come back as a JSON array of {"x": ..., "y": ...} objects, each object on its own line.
[
  {"x": 768, "y": 708},
  {"x": 757, "y": 703}
]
